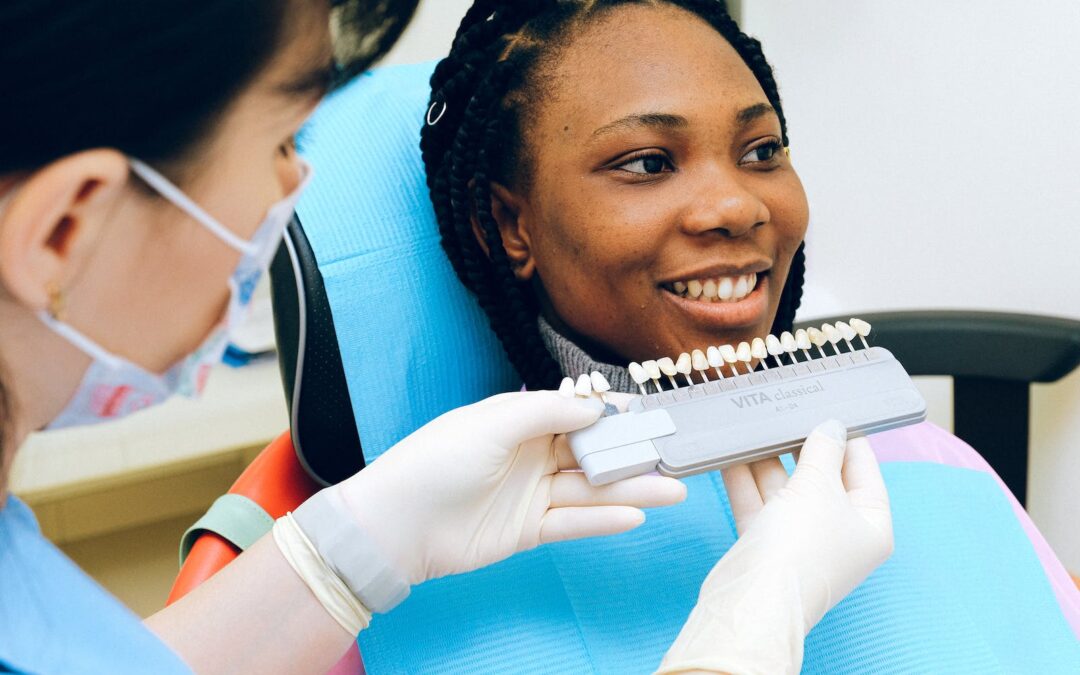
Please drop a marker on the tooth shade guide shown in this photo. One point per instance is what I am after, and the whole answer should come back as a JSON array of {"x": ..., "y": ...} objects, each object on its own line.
[{"x": 584, "y": 386}]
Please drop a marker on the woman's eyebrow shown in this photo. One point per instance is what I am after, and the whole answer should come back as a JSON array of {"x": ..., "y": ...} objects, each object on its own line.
[
  {"x": 647, "y": 120},
  {"x": 751, "y": 113}
]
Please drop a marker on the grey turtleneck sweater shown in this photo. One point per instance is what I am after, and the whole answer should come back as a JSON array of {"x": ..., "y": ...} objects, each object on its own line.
[{"x": 573, "y": 360}]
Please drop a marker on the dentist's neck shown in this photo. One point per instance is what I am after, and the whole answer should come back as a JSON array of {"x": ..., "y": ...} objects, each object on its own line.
[{"x": 40, "y": 373}]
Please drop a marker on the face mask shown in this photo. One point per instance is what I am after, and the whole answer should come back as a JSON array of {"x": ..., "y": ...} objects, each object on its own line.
[{"x": 113, "y": 386}]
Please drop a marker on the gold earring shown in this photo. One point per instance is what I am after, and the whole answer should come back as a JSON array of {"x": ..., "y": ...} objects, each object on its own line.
[
  {"x": 787, "y": 150},
  {"x": 56, "y": 301}
]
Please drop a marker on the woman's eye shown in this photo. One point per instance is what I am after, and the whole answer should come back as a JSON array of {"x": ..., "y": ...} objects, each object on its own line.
[
  {"x": 648, "y": 165},
  {"x": 762, "y": 153}
]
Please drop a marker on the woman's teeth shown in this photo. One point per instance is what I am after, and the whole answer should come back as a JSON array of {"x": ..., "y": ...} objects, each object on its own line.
[{"x": 722, "y": 289}]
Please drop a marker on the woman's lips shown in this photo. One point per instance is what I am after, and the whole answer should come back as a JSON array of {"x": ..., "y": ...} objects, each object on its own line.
[{"x": 720, "y": 315}]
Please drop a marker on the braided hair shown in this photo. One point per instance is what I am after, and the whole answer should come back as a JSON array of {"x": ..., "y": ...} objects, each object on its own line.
[{"x": 474, "y": 133}]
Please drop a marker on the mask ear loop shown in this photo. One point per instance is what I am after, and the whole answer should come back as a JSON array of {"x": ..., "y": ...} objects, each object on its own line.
[{"x": 175, "y": 195}]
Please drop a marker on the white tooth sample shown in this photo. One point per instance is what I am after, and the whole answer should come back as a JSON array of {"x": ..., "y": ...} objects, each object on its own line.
[
  {"x": 679, "y": 287},
  {"x": 566, "y": 387},
  {"x": 725, "y": 289},
  {"x": 667, "y": 367},
  {"x": 693, "y": 288},
  {"x": 716, "y": 360},
  {"x": 599, "y": 382},
  {"x": 708, "y": 289},
  {"x": 802, "y": 339},
  {"x": 728, "y": 352},
  {"x": 583, "y": 386},
  {"x": 741, "y": 288},
  {"x": 848, "y": 333},
  {"x": 862, "y": 329},
  {"x": 818, "y": 338},
  {"x": 683, "y": 365},
  {"x": 772, "y": 343},
  {"x": 759, "y": 351},
  {"x": 832, "y": 335},
  {"x": 743, "y": 353},
  {"x": 639, "y": 376},
  {"x": 788, "y": 341},
  {"x": 701, "y": 362},
  {"x": 653, "y": 370}
]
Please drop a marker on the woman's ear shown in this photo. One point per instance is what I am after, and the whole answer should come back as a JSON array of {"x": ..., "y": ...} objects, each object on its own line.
[
  {"x": 509, "y": 211},
  {"x": 51, "y": 222}
]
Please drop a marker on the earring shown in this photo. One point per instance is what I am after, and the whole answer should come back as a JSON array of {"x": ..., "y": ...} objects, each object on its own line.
[{"x": 57, "y": 301}]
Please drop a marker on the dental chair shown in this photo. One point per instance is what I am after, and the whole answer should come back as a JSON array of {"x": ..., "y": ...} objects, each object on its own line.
[{"x": 331, "y": 432}]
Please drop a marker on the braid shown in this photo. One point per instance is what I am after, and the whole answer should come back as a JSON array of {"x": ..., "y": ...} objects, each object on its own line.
[{"x": 497, "y": 47}]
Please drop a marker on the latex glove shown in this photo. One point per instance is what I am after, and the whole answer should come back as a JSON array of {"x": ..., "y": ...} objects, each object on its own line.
[
  {"x": 805, "y": 543},
  {"x": 483, "y": 482}
]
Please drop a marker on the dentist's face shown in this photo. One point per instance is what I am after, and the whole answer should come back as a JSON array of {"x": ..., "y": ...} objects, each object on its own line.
[{"x": 661, "y": 213}]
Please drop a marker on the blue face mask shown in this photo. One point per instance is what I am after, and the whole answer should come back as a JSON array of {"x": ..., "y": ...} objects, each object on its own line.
[{"x": 112, "y": 386}]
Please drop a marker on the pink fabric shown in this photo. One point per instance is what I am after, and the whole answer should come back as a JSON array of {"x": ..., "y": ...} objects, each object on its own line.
[{"x": 927, "y": 442}]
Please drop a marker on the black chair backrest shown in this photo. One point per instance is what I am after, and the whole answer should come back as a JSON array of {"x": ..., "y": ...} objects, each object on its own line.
[
  {"x": 993, "y": 358},
  {"x": 321, "y": 418}
]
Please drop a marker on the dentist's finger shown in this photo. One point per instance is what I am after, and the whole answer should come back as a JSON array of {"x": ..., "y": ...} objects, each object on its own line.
[
  {"x": 577, "y": 522},
  {"x": 573, "y": 489}
]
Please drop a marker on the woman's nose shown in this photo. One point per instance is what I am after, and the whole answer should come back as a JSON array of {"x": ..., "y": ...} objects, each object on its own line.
[{"x": 724, "y": 205}]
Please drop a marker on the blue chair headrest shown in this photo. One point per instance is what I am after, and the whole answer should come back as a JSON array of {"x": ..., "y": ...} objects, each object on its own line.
[{"x": 364, "y": 268}]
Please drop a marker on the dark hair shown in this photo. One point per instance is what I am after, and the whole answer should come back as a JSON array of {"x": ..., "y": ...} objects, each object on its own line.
[
  {"x": 478, "y": 139},
  {"x": 149, "y": 78}
]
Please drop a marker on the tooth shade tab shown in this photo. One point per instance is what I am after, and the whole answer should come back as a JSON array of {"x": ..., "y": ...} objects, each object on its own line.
[
  {"x": 729, "y": 354},
  {"x": 566, "y": 387},
  {"x": 583, "y": 386},
  {"x": 862, "y": 329},
  {"x": 743, "y": 352},
  {"x": 599, "y": 383},
  {"x": 772, "y": 343},
  {"x": 652, "y": 369},
  {"x": 683, "y": 364},
  {"x": 787, "y": 341},
  {"x": 639, "y": 376},
  {"x": 848, "y": 333},
  {"x": 701, "y": 363},
  {"x": 714, "y": 357},
  {"x": 802, "y": 339},
  {"x": 667, "y": 366},
  {"x": 817, "y": 337},
  {"x": 758, "y": 349}
]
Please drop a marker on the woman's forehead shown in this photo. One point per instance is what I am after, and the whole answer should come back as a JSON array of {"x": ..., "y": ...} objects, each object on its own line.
[{"x": 638, "y": 60}]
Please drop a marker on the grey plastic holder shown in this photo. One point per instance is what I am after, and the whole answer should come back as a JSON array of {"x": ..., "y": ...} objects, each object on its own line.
[{"x": 722, "y": 423}]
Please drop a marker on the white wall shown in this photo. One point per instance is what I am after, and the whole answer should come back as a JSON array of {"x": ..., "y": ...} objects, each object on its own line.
[{"x": 938, "y": 142}]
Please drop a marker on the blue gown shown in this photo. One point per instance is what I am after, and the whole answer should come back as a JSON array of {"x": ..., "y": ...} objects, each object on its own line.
[{"x": 56, "y": 619}]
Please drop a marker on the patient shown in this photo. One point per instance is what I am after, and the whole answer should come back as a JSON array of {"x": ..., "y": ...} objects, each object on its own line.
[{"x": 612, "y": 183}]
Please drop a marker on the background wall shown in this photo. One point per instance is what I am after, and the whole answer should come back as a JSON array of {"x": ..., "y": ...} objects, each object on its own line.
[{"x": 937, "y": 141}]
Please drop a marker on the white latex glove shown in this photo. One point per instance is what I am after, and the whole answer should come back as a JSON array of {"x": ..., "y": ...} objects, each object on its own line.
[
  {"x": 483, "y": 482},
  {"x": 805, "y": 543}
]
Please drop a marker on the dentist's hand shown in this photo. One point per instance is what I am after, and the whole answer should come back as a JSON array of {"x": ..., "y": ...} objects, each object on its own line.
[
  {"x": 483, "y": 482},
  {"x": 805, "y": 543}
]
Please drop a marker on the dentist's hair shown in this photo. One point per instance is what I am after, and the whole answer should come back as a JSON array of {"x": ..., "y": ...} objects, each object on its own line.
[
  {"x": 150, "y": 78},
  {"x": 480, "y": 96}
]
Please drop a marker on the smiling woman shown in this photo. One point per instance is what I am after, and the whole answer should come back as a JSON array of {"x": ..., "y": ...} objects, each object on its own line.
[{"x": 633, "y": 192}]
